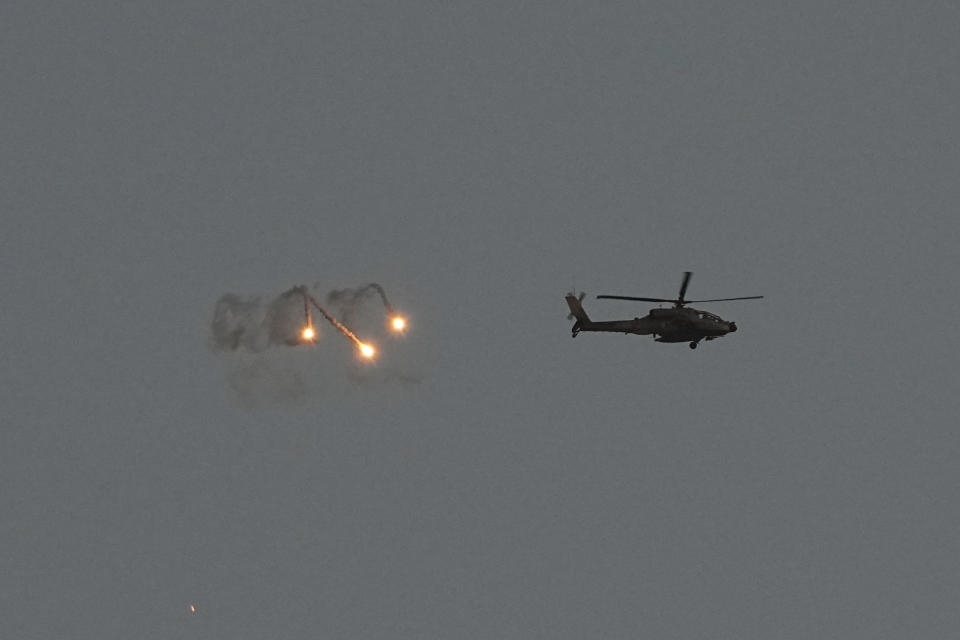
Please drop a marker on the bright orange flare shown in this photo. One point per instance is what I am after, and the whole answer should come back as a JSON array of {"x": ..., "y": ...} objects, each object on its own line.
[
  {"x": 193, "y": 609},
  {"x": 399, "y": 323},
  {"x": 308, "y": 333},
  {"x": 365, "y": 350}
]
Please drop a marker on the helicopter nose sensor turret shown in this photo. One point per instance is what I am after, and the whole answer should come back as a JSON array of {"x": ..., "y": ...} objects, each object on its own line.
[{"x": 733, "y": 327}]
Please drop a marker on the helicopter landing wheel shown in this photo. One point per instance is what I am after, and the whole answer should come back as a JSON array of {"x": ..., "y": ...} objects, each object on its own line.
[{"x": 693, "y": 345}]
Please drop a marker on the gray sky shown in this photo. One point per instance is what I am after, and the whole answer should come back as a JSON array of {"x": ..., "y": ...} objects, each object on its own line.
[{"x": 490, "y": 477}]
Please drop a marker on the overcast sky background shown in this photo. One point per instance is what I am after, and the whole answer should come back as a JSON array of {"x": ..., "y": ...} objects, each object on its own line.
[{"x": 489, "y": 477}]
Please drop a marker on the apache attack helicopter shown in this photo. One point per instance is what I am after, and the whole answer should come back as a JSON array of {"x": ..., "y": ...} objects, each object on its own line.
[{"x": 677, "y": 324}]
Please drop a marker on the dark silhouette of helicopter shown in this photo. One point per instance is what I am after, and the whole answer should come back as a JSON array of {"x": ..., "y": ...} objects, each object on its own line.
[{"x": 677, "y": 324}]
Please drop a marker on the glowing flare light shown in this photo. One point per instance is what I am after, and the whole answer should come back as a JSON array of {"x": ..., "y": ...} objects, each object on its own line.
[
  {"x": 308, "y": 334},
  {"x": 399, "y": 323},
  {"x": 366, "y": 350}
]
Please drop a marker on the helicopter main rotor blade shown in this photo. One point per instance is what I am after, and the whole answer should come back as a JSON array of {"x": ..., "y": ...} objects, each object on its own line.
[
  {"x": 640, "y": 299},
  {"x": 725, "y": 299},
  {"x": 683, "y": 287}
]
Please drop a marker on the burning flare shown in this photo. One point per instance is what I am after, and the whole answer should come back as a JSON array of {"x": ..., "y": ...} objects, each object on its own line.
[
  {"x": 366, "y": 350},
  {"x": 398, "y": 323},
  {"x": 308, "y": 334}
]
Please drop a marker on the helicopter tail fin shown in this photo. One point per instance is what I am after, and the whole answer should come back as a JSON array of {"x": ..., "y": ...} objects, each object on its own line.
[{"x": 576, "y": 311}]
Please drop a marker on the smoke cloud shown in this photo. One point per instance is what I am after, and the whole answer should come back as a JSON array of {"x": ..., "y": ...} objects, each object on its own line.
[
  {"x": 253, "y": 333},
  {"x": 260, "y": 383},
  {"x": 348, "y": 301},
  {"x": 251, "y": 324}
]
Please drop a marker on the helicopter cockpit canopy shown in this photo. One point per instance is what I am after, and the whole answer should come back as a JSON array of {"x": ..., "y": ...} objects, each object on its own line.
[{"x": 706, "y": 315}]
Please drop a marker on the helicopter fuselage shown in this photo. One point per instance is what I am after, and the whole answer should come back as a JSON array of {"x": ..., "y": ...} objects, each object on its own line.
[
  {"x": 684, "y": 324},
  {"x": 677, "y": 324}
]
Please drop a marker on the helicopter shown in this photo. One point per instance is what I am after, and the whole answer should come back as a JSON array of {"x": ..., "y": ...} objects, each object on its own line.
[{"x": 677, "y": 324}]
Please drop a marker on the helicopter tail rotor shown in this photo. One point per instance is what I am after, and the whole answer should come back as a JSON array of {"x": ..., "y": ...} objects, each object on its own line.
[
  {"x": 579, "y": 299},
  {"x": 576, "y": 311}
]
